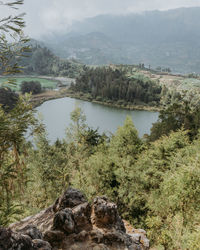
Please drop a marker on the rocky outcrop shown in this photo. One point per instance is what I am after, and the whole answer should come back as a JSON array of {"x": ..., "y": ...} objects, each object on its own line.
[
  {"x": 72, "y": 223},
  {"x": 10, "y": 240}
]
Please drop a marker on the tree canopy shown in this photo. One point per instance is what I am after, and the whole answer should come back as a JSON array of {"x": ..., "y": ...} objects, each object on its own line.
[
  {"x": 33, "y": 87},
  {"x": 8, "y": 98},
  {"x": 105, "y": 83}
]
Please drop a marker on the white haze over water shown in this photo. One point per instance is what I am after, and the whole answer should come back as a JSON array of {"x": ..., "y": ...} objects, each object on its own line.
[{"x": 44, "y": 17}]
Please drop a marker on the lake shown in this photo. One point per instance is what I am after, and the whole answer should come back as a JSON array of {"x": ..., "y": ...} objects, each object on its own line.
[{"x": 56, "y": 117}]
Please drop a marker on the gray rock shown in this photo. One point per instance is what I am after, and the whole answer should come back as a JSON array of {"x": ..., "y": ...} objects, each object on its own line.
[
  {"x": 54, "y": 237},
  {"x": 41, "y": 245},
  {"x": 106, "y": 214},
  {"x": 82, "y": 214},
  {"x": 14, "y": 241},
  {"x": 82, "y": 236},
  {"x": 136, "y": 237},
  {"x": 142, "y": 231},
  {"x": 64, "y": 221},
  {"x": 145, "y": 242},
  {"x": 31, "y": 231},
  {"x": 69, "y": 199}
]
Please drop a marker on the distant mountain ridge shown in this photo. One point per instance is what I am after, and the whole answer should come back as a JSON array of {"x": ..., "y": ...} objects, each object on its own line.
[{"x": 155, "y": 38}]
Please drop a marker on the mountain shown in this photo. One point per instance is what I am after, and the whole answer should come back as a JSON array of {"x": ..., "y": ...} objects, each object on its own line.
[
  {"x": 41, "y": 61},
  {"x": 92, "y": 48},
  {"x": 156, "y": 38}
]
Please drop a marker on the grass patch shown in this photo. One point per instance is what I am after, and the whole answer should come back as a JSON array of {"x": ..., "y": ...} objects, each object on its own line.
[
  {"x": 46, "y": 83},
  {"x": 139, "y": 76}
]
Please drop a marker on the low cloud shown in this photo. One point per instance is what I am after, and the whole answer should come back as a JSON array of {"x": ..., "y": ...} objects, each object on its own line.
[{"x": 47, "y": 16}]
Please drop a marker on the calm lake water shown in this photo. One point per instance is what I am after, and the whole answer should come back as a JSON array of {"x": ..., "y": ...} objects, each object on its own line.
[{"x": 56, "y": 117}]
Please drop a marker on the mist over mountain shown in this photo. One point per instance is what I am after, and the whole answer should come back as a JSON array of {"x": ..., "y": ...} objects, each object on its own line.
[{"x": 156, "y": 38}]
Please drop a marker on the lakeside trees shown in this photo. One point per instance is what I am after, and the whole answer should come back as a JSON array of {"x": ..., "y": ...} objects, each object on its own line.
[
  {"x": 177, "y": 116},
  {"x": 105, "y": 83}
]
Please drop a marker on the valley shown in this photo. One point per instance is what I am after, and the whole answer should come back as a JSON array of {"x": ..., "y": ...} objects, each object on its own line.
[{"x": 100, "y": 125}]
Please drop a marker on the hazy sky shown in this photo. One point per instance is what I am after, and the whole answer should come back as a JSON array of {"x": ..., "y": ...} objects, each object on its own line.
[{"x": 46, "y": 16}]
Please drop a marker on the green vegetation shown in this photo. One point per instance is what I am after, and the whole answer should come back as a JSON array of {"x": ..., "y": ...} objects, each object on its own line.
[
  {"x": 8, "y": 98},
  {"x": 191, "y": 82},
  {"x": 13, "y": 44},
  {"x": 135, "y": 87},
  {"x": 155, "y": 182},
  {"x": 41, "y": 61},
  {"x": 107, "y": 84},
  {"x": 174, "y": 117},
  {"x": 46, "y": 83},
  {"x": 15, "y": 123},
  {"x": 13, "y": 172},
  {"x": 33, "y": 87}
]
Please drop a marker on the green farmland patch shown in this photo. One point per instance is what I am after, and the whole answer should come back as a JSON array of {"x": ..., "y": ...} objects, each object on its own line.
[{"x": 46, "y": 83}]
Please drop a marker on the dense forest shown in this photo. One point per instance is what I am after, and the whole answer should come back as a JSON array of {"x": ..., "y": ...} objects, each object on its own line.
[{"x": 106, "y": 83}]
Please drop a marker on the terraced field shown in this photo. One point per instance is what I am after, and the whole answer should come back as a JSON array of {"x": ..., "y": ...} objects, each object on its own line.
[{"x": 180, "y": 83}]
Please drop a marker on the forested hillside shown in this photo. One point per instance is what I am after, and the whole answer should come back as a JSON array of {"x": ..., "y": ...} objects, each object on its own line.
[
  {"x": 41, "y": 61},
  {"x": 155, "y": 184}
]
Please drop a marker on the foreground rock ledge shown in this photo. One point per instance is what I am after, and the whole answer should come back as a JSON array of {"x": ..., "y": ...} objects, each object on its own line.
[{"x": 72, "y": 223}]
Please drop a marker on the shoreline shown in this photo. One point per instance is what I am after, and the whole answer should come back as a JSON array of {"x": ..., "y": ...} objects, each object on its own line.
[
  {"x": 39, "y": 99},
  {"x": 114, "y": 104}
]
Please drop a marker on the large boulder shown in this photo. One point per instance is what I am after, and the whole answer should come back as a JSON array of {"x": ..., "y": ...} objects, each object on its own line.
[{"x": 73, "y": 223}]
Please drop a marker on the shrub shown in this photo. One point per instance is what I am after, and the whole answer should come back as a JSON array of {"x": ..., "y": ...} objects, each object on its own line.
[{"x": 33, "y": 87}]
